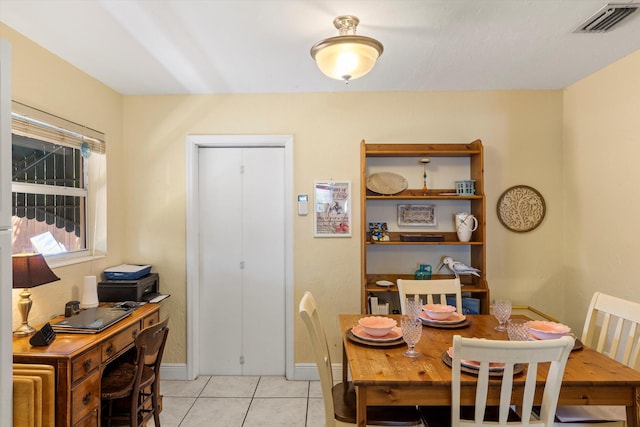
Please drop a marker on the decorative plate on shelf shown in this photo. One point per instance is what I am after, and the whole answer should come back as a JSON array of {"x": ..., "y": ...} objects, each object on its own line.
[
  {"x": 521, "y": 208},
  {"x": 386, "y": 183}
]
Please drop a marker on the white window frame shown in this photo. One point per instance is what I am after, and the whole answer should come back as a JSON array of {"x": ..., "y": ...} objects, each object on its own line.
[{"x": 39, "y": 125}]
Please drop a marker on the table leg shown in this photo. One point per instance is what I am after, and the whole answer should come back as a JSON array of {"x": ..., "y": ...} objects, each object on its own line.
[
  {"x": 345, "y": 365},
  {"x": 361, "y": 406},
  {"x": 633, "y": 412}
]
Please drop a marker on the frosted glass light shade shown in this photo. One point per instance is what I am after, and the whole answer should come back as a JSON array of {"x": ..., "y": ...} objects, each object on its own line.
[{"x": 346, "y": 57}]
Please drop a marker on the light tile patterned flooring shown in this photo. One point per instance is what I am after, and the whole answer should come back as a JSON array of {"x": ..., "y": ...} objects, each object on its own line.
[{"x": 246, "y": 401}]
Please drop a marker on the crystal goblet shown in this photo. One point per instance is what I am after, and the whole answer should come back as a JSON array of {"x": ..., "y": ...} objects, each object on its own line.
[
  {"x": 518, "y": 329},
  {"x": 502, "y": 312},
  {"x": 411, "y": 332},
  {"x": 413, "y": 307}
]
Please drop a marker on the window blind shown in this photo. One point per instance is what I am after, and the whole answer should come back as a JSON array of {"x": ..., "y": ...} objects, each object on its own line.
[{"x": 33, "y": 123}]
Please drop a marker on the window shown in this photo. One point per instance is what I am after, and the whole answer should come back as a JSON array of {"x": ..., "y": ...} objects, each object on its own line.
[{"x": 53, "y": 162}]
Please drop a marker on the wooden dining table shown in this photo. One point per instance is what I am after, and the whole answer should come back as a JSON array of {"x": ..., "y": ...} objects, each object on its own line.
[{"x": 382, "y": 375}]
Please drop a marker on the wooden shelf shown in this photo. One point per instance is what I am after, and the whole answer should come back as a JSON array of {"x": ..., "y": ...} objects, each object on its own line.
[
  {"x": 419, "y": 194},
  {"x": 450, "y": 238},
  {"x": 469, "y": 282},
  {"x": 475, "y": 204},
  {"x": 424, "y": 150}
]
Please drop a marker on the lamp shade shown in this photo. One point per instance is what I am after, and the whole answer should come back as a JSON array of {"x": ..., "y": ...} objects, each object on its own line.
[
  {"x": 347, "y": 56},
  {"x": 31, "y": 270}
]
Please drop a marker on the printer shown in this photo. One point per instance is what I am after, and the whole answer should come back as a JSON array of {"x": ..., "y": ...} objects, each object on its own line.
[{"x": 141, "y": 289}]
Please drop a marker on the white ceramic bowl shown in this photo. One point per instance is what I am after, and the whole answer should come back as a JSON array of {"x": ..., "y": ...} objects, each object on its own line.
[
  {"x": 544, "y": 330},
  {"x": 377, "y": 326},
  {"x": 438, "y": 311}
]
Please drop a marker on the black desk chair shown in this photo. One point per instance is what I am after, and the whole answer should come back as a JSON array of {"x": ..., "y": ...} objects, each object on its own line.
[{"x": 131, "y": 391}]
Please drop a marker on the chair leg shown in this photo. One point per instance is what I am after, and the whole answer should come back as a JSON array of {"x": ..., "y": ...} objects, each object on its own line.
[
  {"x": 134, "y": 408},
  {"x": 154, "y": 404},
  {"x": 109, "y": 412}
]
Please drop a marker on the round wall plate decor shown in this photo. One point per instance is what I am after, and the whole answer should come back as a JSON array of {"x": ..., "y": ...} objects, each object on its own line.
[{"x": 521, "y": 208}]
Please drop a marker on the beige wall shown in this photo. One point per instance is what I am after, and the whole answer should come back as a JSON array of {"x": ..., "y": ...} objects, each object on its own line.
[
  {"x": 523, "y": 136},
  {"x": 44, "y": 81},
  {"x": 600, "y": 174}
]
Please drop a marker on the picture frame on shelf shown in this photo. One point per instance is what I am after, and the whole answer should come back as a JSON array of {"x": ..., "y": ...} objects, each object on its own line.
[
  {"x": 417, "y": 215},
  {"x": 332, "y": 209},
  {"x": 379, "y": 231}
]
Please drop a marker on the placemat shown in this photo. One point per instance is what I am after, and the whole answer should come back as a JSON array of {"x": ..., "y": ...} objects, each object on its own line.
[
  {"x": 361, "y": 341},
  {"x": 578, "y": 345},
  {"x": 466, "y": 322},
  {"x": 517, "y": 368}
]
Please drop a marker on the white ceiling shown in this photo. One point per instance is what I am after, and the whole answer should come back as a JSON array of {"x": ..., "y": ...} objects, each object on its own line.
[{"x": 262, "y": 46}]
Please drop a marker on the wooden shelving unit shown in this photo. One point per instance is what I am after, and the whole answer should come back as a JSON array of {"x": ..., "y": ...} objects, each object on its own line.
[{"x": 449, "y": 162}]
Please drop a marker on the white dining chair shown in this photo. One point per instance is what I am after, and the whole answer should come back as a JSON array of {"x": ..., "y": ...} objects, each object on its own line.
[
  {"x": 340, "y": 399},
  {"x": 612, "y": 327},
  {"x": 511, "y": 353},
  {"x": 430, "y": 288}
]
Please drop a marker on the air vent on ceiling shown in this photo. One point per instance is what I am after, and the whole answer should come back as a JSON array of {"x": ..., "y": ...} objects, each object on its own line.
[{"x": 607, "y": 18}]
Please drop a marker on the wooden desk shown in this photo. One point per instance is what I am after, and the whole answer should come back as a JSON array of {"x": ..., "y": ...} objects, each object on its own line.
[
  {"x": 383, "y": 376},
  {"x": 79, "y": 360}
]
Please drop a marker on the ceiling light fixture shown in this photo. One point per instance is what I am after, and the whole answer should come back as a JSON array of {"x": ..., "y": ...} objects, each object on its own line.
[{"x": 347, "y": 56}]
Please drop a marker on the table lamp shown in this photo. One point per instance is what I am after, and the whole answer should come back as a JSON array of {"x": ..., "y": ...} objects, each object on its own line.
[{"x": 29, "y": 271}]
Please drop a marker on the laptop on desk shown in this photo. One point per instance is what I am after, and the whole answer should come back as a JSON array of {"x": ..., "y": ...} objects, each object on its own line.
[{"x": 91, "y": 320}]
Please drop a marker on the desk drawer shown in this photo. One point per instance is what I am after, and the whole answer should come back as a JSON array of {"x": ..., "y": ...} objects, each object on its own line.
[
  {"x": 90, "y": 421},
  {"x": 85, "y": 364},
  {"x": 119, "y": 342},
  {"x": 85, "y": 398},
  {"x": 151, "y": 320}
]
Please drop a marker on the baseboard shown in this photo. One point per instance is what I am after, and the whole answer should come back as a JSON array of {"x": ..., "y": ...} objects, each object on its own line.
[
  {"x": 301, "y": 372},
  {"x": 173, "y": 371},
  {"x": 309, "y": 372}
]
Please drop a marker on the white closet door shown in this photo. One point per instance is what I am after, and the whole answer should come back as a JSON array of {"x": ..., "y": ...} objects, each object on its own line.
[
  {"x": 220, "y": 191},
  {"x": 263, "y": 247},
  {"x": 242, "y": 280}
]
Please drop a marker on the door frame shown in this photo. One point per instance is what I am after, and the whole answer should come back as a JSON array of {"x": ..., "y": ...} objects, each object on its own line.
[{"x": 193, "y": 144}]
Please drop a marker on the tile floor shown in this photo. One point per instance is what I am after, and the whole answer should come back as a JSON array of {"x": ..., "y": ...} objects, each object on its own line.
[{"x": 231, "y": 401}]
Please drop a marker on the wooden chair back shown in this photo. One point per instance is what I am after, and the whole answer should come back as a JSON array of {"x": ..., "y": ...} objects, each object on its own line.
[
  {"x": 137, "y": 384},
  {"x": 430, "y": 288},
  {"x": 309, "y": 314},
  {"x": 511, "y": 353},
  {"x": 612, "y": 327},
  {"x": 150, "y": 344},
  {"x": 153, "y": 340},
  {"x": 340, "y": 399}
]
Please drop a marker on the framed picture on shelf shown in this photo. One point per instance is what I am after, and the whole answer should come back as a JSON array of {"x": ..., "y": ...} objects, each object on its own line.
[
  {"x": 332, "y": 209},
  {"x": 379, "y": 231},
  {"x": 417, "y": 215}
]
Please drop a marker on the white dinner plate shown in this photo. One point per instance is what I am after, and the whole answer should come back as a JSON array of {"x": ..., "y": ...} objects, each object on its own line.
[{"x": 395, "y": 334}]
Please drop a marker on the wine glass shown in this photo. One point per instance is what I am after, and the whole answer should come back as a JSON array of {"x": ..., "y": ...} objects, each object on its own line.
[
  {"x": 502, "y": 312},
  {"x": 411, "y": 332},
  {"x": 518, "y": 329},
  {"x": 413, "y": 307}
]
